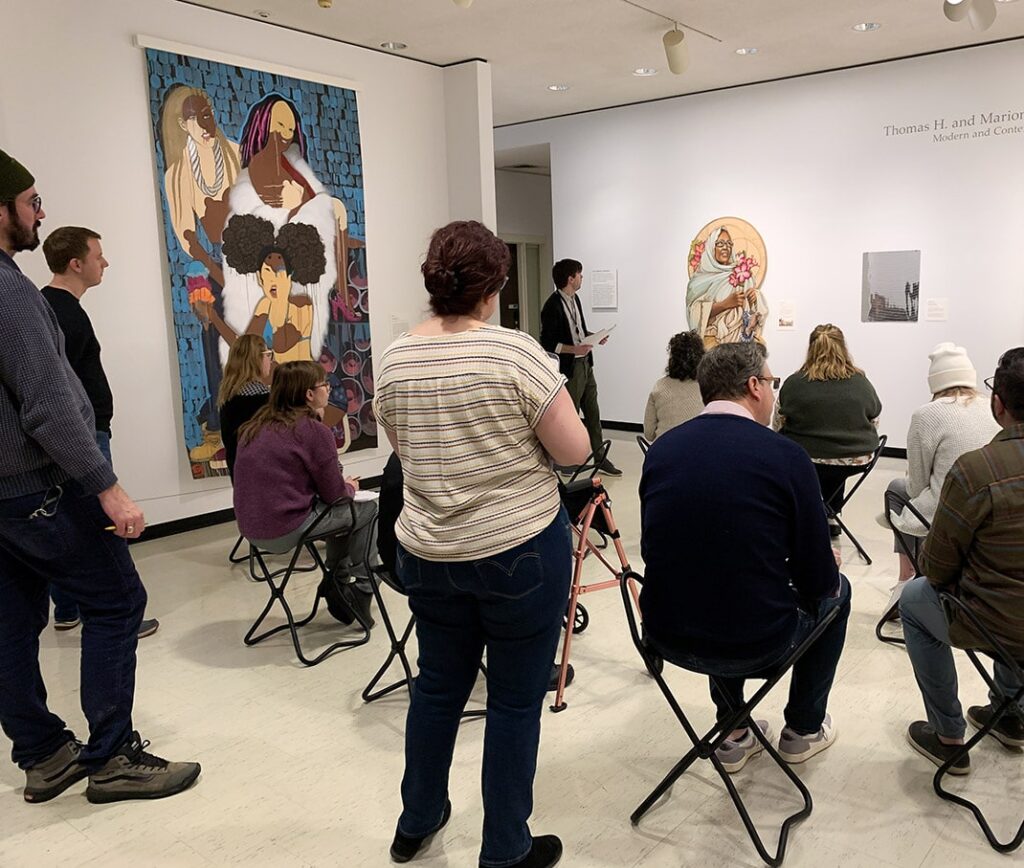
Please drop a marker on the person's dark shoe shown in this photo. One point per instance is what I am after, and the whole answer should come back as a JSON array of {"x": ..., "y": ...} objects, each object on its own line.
[
  {"x": 61, "y": 626},
  {"x": 134, "y": 774},
  {"x": 925, "y": 741},
  {"x": 546, "y": 851},
  {"x": 1009, "y": 731},
  {"x": 608, "y": 469},
  {"x": 148, "y": 627},
  {"x": 403, "y": 848},
  {"x": 570, "y": 674},
  {"x": 834, "y": 530},
  {"x": 56, "y": 773},
  {"x": 359, "y": 602}
]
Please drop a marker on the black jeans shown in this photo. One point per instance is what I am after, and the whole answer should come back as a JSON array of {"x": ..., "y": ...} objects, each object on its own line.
[
  {"x": 512, "y": 604},
  {"x": 832, "y": 479},
  {"x": 58, "y": 537},
  {"x": 813, "y": 673}
]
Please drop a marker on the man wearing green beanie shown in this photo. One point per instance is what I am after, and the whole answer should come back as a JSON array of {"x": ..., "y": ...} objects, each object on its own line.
[{"x": 63, "y": 521}]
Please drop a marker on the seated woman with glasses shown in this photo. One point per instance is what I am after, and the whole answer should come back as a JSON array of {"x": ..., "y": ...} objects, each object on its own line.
[
  {"x": 243, "y": 390},
  {"x": 287, "y": 472},
  {"x": 831, "y": 409}
]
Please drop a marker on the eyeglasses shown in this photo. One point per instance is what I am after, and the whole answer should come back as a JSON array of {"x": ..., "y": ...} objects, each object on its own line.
[
  {"x": 723, "y": 244},
  {"x": 267, "y": 354},
  {"x": 775, "y": 381},
  {"x": 324, "y": 384},
  {"x": 37, "y": 203},
  {"x": 990, "y": 383}
]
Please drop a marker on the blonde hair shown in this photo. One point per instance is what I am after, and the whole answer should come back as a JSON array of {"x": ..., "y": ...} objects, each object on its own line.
[
  {"x": 827, "y": 356},
  {"x": 956, "y": 393},
  {"x": 244, "y": 365}
]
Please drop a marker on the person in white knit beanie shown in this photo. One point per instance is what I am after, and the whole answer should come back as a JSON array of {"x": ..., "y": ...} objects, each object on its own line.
[{"x": 952, "y": 423}]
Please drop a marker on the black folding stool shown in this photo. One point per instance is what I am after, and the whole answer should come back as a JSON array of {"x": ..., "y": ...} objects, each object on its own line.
[
  {"x": 643, "y": 443},
  {"x": 895, "y": 502},
  {"x": 235, "y": 558},
  {"x": 704, "y": 747},
  {"x": 862, "y": 473},
  {"x": 398, "y": 641},
  {"x": 998, "y": 652},
  {"x": 277, "y": 581}
]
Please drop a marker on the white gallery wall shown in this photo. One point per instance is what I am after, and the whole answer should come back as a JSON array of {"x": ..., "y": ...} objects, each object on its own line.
[
  {"x": 74, "y": 107},
  {"x": 826, "y": 167}
]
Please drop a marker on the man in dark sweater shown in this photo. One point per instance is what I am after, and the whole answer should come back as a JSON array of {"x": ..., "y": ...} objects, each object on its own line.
[
  {"x": 63, "y": 520},
  {"x": 76, "y": 259},
  {"x": 739, "y": 568},
  {"x": 563, "y": 331}
]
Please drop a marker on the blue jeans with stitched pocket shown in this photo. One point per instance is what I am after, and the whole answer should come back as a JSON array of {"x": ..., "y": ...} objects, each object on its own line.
[
  {"x": 58, "y": 536},
  {"x": 512, "y": 604}
]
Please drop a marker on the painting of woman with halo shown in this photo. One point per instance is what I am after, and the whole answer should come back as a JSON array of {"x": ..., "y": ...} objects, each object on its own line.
[{"x": 726, "y": 267}]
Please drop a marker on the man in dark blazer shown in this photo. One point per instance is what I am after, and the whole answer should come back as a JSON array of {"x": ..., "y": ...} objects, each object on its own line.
[{"x": 563, "y": 331}]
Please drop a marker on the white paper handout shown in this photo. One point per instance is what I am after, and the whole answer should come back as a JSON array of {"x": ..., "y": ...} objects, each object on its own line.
[{"x": 596, "y": 338}]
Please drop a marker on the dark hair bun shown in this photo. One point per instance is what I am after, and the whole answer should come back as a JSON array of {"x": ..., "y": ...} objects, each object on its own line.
[{"x": 465, "y": 264}]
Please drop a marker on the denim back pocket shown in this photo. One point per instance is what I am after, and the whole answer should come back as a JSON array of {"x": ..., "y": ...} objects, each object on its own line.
[
  {"x": 513, "y": 574},
  {"x": 407, "y": 566}
]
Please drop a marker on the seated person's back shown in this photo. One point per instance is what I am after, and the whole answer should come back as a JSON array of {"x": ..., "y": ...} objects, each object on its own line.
[{"x": 734, "y": 532}]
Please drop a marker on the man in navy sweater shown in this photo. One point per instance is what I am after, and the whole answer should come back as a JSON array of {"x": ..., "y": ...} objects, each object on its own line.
[{"x": 739, "y": 565}]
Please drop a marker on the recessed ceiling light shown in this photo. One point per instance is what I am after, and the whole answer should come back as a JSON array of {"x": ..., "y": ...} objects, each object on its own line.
[
  {"x": 394, "y": 46},
  {"x": 644, "y": 72},
  {"x": 1006, "y": 1},
  {"x": 745, "y": 51},
  {"x": 558, "y": 88},
  {"x": 867, "y": 26},
  {"x": 262, "y": 13}
]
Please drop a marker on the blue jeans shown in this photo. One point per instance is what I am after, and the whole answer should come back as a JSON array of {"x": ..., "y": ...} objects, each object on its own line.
[
  {"x": 64, "y": 606},
  {"x": 57, "y": 536},
  {"x": 512, "y": 604},
  {"x": 813, "y": 673},
  {"x": 926, "y": 632}
]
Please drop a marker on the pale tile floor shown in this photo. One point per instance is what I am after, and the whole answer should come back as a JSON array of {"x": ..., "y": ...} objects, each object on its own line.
[{"x": 298, "y": 771}]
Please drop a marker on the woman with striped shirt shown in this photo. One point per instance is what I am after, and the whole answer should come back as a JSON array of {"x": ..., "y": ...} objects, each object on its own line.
[{"x": 477, "y": 413}]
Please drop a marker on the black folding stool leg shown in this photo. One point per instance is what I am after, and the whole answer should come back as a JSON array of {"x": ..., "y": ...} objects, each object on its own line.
[
  {"x": 1010, "y": 703},
  {"x": 234, "y": 557},
  {"x": 895, "y": 502},
  {"x": 704, "y": 747},
  {"x": 277, "y": 595},
  {"x": 864, "y": 473},
  {"x": 397, "y": 650}
]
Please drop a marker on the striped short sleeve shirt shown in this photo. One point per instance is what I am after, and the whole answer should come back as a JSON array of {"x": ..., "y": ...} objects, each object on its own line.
[{"x": 463, "y": 408}]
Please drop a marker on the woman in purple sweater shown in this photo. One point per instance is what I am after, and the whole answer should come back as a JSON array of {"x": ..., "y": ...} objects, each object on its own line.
[{"x": 287, "y": 471}]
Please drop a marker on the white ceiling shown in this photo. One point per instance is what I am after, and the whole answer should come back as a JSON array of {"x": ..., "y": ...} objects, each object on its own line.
[{"x": 594, "y": 45}]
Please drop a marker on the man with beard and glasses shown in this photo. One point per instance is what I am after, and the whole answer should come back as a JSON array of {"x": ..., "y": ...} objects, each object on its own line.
[{"x": 64, "y": 520}]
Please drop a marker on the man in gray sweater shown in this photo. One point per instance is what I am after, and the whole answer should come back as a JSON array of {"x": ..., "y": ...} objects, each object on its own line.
[{"x": 63, "y": 519}]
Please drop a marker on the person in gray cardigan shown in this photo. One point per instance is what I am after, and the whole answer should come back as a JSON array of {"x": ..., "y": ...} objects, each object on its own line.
[
  {"x": 675, "y": 398},
  {"x": 64, "y": 519}
]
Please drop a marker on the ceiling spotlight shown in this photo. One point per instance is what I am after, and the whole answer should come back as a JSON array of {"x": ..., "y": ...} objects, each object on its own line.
[
  {"x": 743, "y": 52},
  {"x": 556, "y": 88},
  {"x": 867, "y": 27},
  {"x": 676, "y": 51},
  {"x": 394, "y": 46},
  {"x": 325, "y": 4},
  {"x": 262, "y": 13},
  {"x": 980, "y": 13},
  {"x": 644, "y": 72},
  {"x": 465, "y": 4}
]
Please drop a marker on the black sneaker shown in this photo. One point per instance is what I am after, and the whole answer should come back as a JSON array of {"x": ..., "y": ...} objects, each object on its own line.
[
  {"x": 570, "y": 674},
  {"x": 925, "y": 741},
  {"x": 148, "y": 627},
  {"x": 403, "y": 848},
  {"x": 608, "y": 469},
  {"x": 134, "y": 774},
  {"x": 62, "y": 626},
  {"x": 1008, "y": 731},
  {"x": 56, "y": 773},
  {"x": 546, "y": 851},
  {"x": 834, "y": 530}
]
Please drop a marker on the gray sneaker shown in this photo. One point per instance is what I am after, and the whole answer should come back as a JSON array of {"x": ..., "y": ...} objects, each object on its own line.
[
  {"x": 54, "y": 774},
  {"x": 796, "y": 748},
  {"x": 733, "y": 755},
  {"x": 134, "y": 774}
]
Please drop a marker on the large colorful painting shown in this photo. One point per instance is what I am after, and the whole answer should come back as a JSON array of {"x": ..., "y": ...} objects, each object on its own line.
[
  {"x": 262, "y": 191},
  {"x": 726, "y": 267}
]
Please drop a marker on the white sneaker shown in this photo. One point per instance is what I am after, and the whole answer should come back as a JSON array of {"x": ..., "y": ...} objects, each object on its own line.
[
  {"x": 796, "y": 748},
  {"x": 733, "y": 755}
]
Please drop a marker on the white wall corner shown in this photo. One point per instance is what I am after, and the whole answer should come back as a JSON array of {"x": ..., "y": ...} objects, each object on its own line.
[{"x": 469, "y": 130}]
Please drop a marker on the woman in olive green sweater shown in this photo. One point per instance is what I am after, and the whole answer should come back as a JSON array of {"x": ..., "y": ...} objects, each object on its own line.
[{"x": 831, "y": 409}]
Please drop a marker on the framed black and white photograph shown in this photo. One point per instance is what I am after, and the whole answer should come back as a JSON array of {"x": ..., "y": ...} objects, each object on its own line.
[{"x": 891, "y": 286}]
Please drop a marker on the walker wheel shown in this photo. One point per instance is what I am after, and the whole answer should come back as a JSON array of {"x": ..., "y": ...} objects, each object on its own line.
[{"x": 580, "y": 622}]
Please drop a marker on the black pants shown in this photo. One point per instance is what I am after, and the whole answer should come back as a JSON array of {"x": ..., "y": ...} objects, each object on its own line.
[{"x": 832, "y": 479}]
